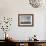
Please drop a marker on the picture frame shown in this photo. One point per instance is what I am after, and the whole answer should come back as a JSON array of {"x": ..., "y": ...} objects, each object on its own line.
[{"x": 25, "y": 20}]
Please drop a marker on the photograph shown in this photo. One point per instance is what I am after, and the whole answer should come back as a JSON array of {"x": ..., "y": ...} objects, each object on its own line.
[{"x": 25, "y": 19}]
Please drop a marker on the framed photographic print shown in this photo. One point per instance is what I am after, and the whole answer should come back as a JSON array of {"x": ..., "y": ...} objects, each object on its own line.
[{"x": 25, "y": 19}]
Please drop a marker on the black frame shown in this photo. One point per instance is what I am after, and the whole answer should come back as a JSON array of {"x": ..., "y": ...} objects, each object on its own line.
[{"x": 25, "y": 23}]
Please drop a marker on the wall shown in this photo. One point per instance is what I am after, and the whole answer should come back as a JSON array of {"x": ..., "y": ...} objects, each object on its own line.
[{"x": 11, "y": 8}]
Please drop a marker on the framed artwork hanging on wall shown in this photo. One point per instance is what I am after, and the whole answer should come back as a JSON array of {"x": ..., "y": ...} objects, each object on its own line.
[{"x": 25, "y": 20}]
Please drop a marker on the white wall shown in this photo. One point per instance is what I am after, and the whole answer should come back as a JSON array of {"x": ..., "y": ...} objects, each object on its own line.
[{"x": 11, "y": 8}]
